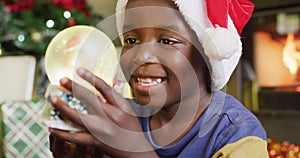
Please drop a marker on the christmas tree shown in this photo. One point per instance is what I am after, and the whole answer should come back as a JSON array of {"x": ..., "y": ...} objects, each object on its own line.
[{"x": 27, "y": 26}]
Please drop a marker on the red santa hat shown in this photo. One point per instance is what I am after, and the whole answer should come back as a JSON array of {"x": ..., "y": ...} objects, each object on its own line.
[{"x": 218, "y": 25}]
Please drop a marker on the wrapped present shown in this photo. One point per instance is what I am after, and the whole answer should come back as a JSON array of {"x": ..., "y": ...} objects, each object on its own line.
[{"x": 22, "y": 133}]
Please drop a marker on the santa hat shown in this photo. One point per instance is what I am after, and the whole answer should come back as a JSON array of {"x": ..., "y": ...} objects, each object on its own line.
[{"x": 218, "y": 25}]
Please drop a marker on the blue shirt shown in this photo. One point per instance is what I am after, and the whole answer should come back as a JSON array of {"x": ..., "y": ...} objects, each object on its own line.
[{"x": 225, "y": 121}]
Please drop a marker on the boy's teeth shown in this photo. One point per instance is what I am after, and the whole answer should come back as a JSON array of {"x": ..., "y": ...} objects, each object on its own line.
[{"x": 148, "y": 81}]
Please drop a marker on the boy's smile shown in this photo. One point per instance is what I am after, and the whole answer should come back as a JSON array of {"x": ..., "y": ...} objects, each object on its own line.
[
  {"x": 148, "y": 81},
  {"x": 148, "y": 76}
]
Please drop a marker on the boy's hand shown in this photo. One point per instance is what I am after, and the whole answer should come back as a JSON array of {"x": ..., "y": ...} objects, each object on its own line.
[
  {"x": 110, "y": 125},
  {"x": 63, "y": 149}
]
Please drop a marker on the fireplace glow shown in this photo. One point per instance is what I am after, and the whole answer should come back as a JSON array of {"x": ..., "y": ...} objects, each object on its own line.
[
  {"x": 269, "y": 65},
  {"x": 291, "y": 57}
]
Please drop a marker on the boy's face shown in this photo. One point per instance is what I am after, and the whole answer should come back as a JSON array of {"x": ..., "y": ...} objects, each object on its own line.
[{"x": 158, "y": 58}]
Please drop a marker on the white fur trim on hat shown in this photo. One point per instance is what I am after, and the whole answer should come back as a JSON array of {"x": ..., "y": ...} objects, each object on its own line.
[{"x": 222, "y": 46}]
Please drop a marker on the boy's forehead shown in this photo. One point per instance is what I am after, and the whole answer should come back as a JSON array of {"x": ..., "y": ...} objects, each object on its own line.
[
  {"x": 141, "y": 3},
  {"x": 154, "y": 16}
]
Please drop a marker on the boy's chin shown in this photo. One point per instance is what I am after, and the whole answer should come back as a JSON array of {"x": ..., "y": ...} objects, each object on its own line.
[{"x": 154, "y": 103}]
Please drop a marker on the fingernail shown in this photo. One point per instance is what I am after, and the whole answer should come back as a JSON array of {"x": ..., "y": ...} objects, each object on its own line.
[
  {"x": 54, "y": 99},
  {"x": 64, "y": 80},
  {"x": 80, "y": 71}
]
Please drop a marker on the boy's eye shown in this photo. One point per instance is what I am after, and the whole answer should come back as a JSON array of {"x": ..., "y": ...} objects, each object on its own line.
[
  {"x": 167, "y": 41},
  {"x": 130, "y": 40}
]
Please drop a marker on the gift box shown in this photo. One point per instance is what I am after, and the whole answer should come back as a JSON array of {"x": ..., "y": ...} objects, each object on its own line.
[{"x": 22, "y": 133}]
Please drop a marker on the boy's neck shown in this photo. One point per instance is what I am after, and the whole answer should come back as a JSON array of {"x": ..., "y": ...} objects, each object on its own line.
[{"x": 167, "y": 123}]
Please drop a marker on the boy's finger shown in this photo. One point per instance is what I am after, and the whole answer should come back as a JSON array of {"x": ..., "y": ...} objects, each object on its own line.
[
  {"x": 58, "y": 147},
  {"x": 87, "y": 97},
  {"x": 66, "y": 83},
  {"x": 108, "y": 93},
  {"x": 80, "y": 138},
  {"x": 72, "y": 114}
]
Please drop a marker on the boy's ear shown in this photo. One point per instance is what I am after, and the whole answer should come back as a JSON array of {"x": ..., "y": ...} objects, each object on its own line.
[{"x": 207, "y": 79}]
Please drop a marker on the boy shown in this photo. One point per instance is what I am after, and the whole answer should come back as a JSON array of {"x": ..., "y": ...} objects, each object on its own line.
[{"x": 175, "y": 61}]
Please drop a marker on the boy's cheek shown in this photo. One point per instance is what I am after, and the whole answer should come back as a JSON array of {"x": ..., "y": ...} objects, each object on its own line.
[{"x": 126, "y": 63}]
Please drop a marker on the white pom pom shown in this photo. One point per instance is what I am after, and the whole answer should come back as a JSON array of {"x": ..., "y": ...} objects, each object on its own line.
[{"x": 221, "y": 43}]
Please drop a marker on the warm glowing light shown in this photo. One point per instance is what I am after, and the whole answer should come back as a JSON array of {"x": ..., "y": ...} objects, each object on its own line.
[
  {"x": 297, "y": 88},
  {"x": 291, "y": 57},
  {"x": 21, "y": 38},
  {"x": 67, "y": 14},
  {"x": 50, "y": 23}
]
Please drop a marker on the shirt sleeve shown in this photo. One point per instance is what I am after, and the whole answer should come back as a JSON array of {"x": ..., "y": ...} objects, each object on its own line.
[{"x": 247, "y": 147}]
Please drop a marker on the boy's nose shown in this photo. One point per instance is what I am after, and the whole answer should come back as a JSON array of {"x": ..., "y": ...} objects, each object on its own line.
[{"x": 146, "y": 53}]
